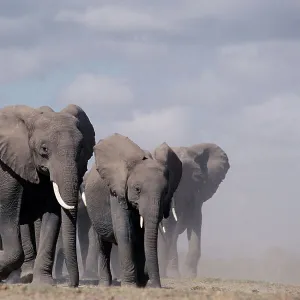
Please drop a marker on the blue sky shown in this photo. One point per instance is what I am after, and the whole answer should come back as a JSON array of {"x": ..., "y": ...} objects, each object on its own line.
[{"x": 183, "y": 72}]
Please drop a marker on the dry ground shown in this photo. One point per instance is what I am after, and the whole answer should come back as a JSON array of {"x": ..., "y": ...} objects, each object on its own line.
[{"x": 173, "y": 289}]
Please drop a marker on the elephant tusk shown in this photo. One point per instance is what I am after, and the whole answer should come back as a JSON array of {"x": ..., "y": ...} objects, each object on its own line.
[
  {"x": 174, "y": 213},
  {"x": 164, "y": 229},
  {"x": 83, "y": 197},
  {"x": 59, "y": 198},
  {"x": 141, "y": 222}
]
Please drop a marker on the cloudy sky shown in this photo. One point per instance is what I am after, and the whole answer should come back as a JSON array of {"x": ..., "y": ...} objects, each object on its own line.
[{"x": 199, "y": 71}]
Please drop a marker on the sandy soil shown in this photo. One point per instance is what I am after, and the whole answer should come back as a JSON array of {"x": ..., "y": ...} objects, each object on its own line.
[{"x": 172, "y": 289}]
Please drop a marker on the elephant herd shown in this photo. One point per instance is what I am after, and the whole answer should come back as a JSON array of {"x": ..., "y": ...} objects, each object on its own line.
[{"x": 126, "y": 212}]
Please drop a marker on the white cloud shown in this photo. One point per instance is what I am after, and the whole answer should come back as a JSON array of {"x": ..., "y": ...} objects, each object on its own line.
[
  {"x": 17, "y": 63},
  {"x": 134, "y": 32},
  {"x": 114, "y": 18},
  {"x": 260, "y": 60},
  {"x": 191, "y": 9},
  {"x": 93, "y": 90},
  {"x": 12, "y": 26},
  {"x": 148, "y": 130},
  {"x": 243, "y": 73},
  {"x": 274, "y": 125}
]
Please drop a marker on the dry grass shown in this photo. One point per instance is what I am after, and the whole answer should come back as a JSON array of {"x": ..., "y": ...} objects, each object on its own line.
[{"x": 173, "y": 289}]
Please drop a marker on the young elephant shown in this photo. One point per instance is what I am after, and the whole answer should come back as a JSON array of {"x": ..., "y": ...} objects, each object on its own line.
[{"x": 127, "y": 194}]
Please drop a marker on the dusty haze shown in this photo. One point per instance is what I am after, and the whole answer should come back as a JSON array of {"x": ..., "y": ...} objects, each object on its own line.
[{"x": 183, "y": 72}]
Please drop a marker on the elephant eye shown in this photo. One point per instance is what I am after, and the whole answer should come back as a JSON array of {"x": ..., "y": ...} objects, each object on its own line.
[
  {"x": 44, "y": 151},
  {"x": 137, "y": 189},
  {"x": 113, "y": 193}
]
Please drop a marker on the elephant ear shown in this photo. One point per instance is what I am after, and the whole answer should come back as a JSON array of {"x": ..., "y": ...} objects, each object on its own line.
[
  {"x": 148, "y": 154},
  {"x": 15, "y": 152},
  {"x": 45, "y": 109},
  {"x": 85, "y": 127},
  {"x": 166, "y": 156},
  {"x": 115, "y": 157},
  {"x": 217, "y": 167}
]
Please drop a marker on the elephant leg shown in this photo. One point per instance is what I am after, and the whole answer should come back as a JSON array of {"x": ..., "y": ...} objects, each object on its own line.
[
  {"x": 37, "y": 229},
  {"x": 83, "y": 237},
  {"x": 1, "y": 245},
  {"x": 30, "y": 250},
  {"x": 114, "y": 261},
  {"x": 162, "y": 245},
  {"x": 124, "y": 235},
  {"x": 91, "y": 262},
  {"x": 105, "y": 278},
  {"x": 29, "y": 247},
  {"x": 88, "y": 243},
  {"x": 169, "y": 247},
  {"x": 12, "y": 256},
  {"x": 140, "y": 258},
  {"x": 171, "y": 251},
  {"x": 60, "y": 258},
  {"x": 194, "y": 241},
  {"x": 173, "y": 269},
  {"x": 42, "y": 272}
]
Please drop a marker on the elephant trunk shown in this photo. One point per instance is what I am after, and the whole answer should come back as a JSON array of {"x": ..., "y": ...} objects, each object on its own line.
[
  {"x": 150, "y": 245},
  {"x": 66, "y": 189}
]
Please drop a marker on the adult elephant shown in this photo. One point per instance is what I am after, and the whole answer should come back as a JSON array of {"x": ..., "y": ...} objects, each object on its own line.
[
  {"x": 127, "y": 195},
  {"x": 204, "y": 168},
  {"x": 43, "y": 157}
]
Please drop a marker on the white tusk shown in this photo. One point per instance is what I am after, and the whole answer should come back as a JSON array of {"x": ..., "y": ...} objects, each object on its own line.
[
  {"x": 164, "y": 229},
  {"x": 83, "y": 195},
  {"x": 174, "y": 213},
  {"x": 59, "y": 198},
  {"x": 141, "y": 222}
]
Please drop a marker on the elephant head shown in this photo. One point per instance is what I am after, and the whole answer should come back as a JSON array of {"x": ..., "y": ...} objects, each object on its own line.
[
  {"x": 204, "y": 167},
  {"x": 215, "y": 168},
  {"x": 37, "y": 144},
  {"x": 141, "y": 183}
]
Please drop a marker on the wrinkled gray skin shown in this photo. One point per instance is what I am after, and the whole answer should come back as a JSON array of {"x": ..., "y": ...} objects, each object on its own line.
[
  {"x": 124, "y": 184},
  {"x": 88, "y": 246},
  {"x": 40, "y": 147},
  {"x": 204, "y": 168}
]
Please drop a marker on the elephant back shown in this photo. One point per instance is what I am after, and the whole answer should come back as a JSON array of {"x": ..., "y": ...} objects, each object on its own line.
[{"x": 217, "y": 168}]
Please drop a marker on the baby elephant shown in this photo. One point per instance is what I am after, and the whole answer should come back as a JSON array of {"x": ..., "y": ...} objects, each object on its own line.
[{"x": 127, "y": 193}]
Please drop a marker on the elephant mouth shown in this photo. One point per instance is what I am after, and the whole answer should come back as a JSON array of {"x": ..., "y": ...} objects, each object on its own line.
[{"x": 43, "y": 170}]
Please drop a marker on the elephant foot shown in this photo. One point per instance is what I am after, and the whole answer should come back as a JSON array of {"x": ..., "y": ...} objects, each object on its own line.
[
  {"x": 14, "y": 277},
  {"x": 128, "y": 284},
  {"x": 26, "y": 273},
  {"x": 91, "y": 275},
  {"x": 43, "y": 280},
  {"x": 26, "y": 278},
  {"x": 142, "y": 281},
  {"x": 115, "y": 282},
  {"x": 105, "y": 283},
  {"x": 190, "y": 272},
  {"x": 152, "y": 284}
]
